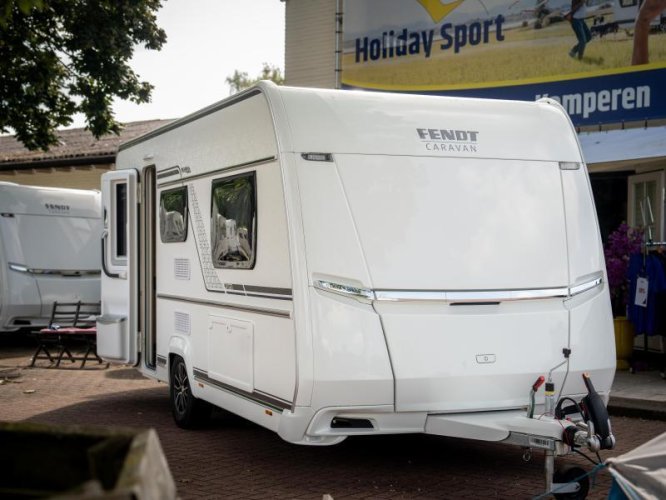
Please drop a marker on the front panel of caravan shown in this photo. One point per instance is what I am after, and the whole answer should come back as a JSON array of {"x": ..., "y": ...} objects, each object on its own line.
[
  {"x": 470, "y": 266},
  {"x": 466, "y": 228},
  {"x": 49, "y": 246}
]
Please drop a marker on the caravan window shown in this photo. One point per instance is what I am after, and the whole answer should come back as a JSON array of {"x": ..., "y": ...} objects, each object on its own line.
[
  {"x": 234, "y": 221},
  {"x": 173, "y": 215},
  {"x": 121, "y": 221}
]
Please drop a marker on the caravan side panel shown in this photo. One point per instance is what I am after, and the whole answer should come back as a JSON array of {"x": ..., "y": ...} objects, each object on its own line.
[{"x": 233, "y": 325}]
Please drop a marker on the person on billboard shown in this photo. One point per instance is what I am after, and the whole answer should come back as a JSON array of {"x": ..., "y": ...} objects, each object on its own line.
[
  {"x": 648, "y": 11},
  {"x": 576, "y": 16}
]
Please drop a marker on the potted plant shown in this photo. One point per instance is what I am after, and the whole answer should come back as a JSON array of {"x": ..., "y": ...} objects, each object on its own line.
[{"x": 621, "y": 243}]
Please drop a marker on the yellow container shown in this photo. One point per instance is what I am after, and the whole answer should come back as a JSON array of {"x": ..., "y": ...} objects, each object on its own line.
[{"x": 624, "y": 341}]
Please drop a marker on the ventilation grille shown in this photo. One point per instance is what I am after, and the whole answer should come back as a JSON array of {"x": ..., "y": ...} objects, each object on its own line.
[
  {"x": 181, "y": 322},
  {"x": 181, "y": 269}
]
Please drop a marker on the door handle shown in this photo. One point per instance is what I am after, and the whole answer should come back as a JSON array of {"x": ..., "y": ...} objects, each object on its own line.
[{"x": 104, "y": 268}]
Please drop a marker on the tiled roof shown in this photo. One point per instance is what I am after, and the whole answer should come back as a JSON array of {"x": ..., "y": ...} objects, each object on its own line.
[{"x": 74, "y": 143}]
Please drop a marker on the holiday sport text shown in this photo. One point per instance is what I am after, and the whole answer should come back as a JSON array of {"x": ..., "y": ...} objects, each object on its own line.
[{"x": 398, "y": 43}]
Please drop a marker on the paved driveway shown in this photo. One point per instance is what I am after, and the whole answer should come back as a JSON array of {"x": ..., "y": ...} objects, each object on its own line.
[{"x": 232, "y": 458}]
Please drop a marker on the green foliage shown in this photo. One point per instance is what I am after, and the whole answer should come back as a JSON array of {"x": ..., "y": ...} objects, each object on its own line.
[
  {"x": 240, "y": 80},
  {"x": 174, "y": 201},
  {"x": 60, "y": 57}
]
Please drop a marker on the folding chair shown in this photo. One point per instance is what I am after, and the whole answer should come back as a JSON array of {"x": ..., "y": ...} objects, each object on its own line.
[{"x": 69, "y": 322}]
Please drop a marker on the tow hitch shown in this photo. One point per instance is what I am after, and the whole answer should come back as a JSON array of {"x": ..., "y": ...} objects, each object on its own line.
[
  {"x": 568, "y": 427},
  {"x": 591, "y": 429}
]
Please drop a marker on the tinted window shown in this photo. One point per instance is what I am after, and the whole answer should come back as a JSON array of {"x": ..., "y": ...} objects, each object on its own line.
[
  {"x": 233, "y": 222},
  {"x": 173, "y": 215},
  {"x": 121, "y": 219}
]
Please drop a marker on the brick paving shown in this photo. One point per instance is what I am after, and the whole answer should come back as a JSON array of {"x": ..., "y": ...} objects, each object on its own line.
[{"x": 233, "y": 458}]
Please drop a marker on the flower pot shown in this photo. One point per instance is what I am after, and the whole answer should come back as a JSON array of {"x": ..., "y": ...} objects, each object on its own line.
[{"x": 624, "y": 341}]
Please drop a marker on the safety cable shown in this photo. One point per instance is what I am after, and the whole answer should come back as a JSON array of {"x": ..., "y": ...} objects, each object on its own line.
[{"x": 588, "y": 458}]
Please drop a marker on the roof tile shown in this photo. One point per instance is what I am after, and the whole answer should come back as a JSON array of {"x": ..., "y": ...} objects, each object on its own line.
[{"x": 75, "y": 143}]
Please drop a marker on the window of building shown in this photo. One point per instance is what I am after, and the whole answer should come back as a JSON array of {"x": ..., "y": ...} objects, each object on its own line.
[
  {"x": 173, "y": 215},
  {"x": 234, "y": 221},
  {"x": 646, "y": 207}
]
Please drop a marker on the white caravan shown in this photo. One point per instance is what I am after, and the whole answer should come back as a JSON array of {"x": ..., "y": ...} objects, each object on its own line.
[
  {"x": 49, "y": 251},
  {"x": 335, "y": 263}
]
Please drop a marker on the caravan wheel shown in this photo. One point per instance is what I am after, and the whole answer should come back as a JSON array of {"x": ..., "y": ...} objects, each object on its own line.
[{"x": 188, "y": 411}]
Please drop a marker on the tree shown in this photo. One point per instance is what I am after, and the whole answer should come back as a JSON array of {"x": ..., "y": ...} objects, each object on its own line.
[
  {"x": 60, "y": 57},
  {"x": 240, "y": 79}
]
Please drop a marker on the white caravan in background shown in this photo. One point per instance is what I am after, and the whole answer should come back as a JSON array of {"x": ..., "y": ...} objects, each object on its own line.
[
  {"x": 336, "y": 263},
  {"x": 49, "y": 251},
  {"x": 626, "y": 11}
]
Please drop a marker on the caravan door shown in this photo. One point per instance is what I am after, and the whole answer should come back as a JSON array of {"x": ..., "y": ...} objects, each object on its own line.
[{"x": 117, "y": 327}]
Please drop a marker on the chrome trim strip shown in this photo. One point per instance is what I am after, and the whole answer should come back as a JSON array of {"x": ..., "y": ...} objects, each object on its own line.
[
  {"x": 394, "y": 295},
  {"x": 472, "y": 296},
  {"x": 69, "y": 273},
  {"x": 254, "y": 396},
  {"x": 237, "y": 307},
  {"x": 161, "y": 361},
  {"x": 345, "y": 290},
  {"x": 584, "y": 287},
  {"x": 258, "y": 290},
  {"x": 457, "y": 297}
]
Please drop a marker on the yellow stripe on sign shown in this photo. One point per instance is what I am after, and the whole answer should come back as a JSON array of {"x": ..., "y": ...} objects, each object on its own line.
[
  {"x": 439, "y": 10},
  {"x": 505, "y": 83}
]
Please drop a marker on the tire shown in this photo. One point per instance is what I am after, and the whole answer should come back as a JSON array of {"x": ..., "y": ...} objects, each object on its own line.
[
  {"x": 188, "y": 412},
  {"x": 571, "y": 474}
]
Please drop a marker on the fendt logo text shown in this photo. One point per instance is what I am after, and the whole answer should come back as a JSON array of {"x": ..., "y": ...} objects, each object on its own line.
[{"x": 442, "y": 139}]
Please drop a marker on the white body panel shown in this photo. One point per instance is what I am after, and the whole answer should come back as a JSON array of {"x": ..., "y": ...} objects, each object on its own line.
[
  {"x": 625, "y": 15},
  {"x": 49, "y": 251},
  {"x": 434, "y": 257}
]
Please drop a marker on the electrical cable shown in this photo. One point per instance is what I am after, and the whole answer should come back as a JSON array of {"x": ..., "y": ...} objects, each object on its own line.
[
  {"x": 564, "y": 381},
  {"x": 588, "y": 458},
  {"x": 558, "y": 407}
]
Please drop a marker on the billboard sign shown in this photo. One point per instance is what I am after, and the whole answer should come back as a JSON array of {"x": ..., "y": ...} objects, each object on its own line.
[{"x": 509, "y": 49}]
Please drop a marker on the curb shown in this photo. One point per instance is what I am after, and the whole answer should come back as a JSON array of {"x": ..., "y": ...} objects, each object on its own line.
[{"x": 637, "y": 408}]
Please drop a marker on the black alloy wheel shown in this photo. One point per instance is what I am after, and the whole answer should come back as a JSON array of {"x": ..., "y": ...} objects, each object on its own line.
[{"x": 188, "y": 412}]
